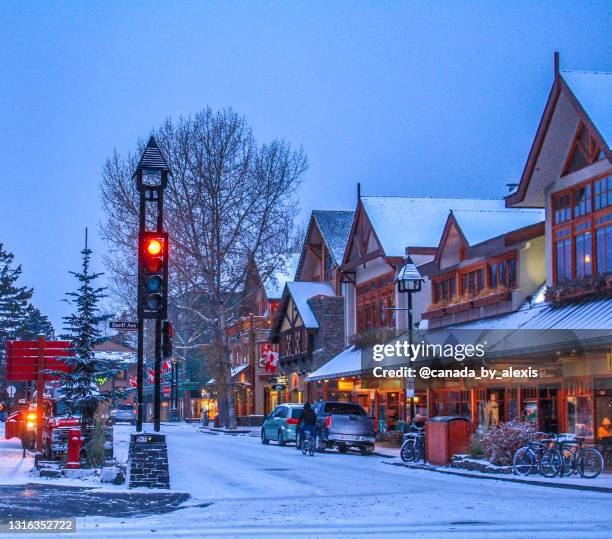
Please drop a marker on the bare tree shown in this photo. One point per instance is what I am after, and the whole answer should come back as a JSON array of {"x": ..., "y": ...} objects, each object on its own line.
[{"x": 229, "y": 200}]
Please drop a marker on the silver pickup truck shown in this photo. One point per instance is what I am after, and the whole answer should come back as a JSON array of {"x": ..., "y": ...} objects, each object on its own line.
[{"x": 344, "y": 425}]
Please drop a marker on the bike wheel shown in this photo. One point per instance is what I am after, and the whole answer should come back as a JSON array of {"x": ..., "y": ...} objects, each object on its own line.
[
  {"x": 311, "y": 450},
  {"x": 407, "y": 451},
  {"x": 567, "y": 462},
  {"x": 590, "y": 463},
  {"x": 305, "y": 446},
  {"x": 523, "y": 461},
  {"x": 551, "y": 463}
]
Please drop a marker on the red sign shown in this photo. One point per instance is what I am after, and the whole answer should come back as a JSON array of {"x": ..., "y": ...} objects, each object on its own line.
[
  {"x": 22, "y": 359},
  {"x": 166, "y": 390}
]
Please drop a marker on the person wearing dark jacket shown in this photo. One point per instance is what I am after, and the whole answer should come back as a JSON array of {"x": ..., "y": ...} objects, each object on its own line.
[{"x": 308, "y": 422}]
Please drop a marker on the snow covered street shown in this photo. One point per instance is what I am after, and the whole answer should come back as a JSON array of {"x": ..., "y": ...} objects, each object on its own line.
[{"x": 240, "y": 487}]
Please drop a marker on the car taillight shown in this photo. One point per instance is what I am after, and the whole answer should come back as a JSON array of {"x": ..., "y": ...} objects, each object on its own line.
[
  {"x": 292, "y": 421},
  {"x": 328, "y": 422}
]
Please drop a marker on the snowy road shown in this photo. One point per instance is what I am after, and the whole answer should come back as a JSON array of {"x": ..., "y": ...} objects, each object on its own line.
[
  {"x": 262, "y": 491},
  {"x": 270, "y": 491}
]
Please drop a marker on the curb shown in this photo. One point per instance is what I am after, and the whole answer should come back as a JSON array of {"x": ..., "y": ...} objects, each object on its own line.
[{"x": 568, "y": 486}]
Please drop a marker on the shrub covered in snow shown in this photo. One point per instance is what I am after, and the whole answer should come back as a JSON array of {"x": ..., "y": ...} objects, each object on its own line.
[
  {"x": 499, "y": 444},
  {"x": 476, "y": 449}
]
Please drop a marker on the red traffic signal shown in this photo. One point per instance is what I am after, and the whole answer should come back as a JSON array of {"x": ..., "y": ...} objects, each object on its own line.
[{"x": 153, "y": 274}]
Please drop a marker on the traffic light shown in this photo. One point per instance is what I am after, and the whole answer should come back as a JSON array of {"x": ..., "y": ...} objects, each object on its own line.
[
  {"x": 153, "y": 274},
  {"x": 167, "y": 331}
]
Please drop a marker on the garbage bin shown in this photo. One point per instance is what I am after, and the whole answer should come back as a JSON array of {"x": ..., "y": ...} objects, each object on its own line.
[{"x": 446, "y": 436}]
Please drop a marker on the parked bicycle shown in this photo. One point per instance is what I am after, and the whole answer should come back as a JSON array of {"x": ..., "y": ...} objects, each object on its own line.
[
  {"x": 573, "y": 457},
  {"x": 529, "y": 458},
  {"x": 413, "y": 447}
]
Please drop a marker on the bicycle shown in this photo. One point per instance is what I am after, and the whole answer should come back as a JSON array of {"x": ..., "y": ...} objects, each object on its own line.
[
  {"x": 308, "y": 444},
  {"x": 413, "y": 447},
  {"x": 528, "y": 457},
  {"x": 588, "y": 462}
]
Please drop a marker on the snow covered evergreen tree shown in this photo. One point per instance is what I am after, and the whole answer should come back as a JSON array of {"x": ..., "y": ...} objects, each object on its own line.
[
  {"x": 81, "y": 385},
  {"x": 13, "y": 306}
]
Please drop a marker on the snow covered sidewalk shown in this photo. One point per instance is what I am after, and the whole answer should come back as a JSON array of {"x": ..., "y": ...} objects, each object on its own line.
[{"x": 14, "y": 468}]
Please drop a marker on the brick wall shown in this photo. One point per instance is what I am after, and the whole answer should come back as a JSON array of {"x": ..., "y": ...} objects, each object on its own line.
[{"x": 329, "y": 311}]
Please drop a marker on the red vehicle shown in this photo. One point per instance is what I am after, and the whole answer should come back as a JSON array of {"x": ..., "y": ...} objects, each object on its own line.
[{"x": 57, "y": 423}]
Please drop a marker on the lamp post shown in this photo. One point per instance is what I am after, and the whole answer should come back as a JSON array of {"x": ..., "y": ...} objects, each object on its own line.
[{"x": 409, "y": 281}]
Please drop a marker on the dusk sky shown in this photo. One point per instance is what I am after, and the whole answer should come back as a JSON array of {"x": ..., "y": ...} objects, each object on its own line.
[{"x": 409, "y": 98}]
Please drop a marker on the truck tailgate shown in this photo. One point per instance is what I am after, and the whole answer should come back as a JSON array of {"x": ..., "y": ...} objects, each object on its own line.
[{"x": 352, "y": 424}]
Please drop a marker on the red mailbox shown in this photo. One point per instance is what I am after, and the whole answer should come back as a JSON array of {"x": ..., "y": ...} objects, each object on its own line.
[{"x": 74, "y": 449}]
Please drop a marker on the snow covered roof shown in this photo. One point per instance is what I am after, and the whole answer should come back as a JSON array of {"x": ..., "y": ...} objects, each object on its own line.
[
  {"x": 401, "y": 222},
  {"x": 301, "y": 292},
  {"x": 275, "y": 283},
  {"x": 594, "y": 92},
  {"x": 235, "y": 372},
  {"x": 480, "y": 225},
  {"x": 346, "y": 363},
  {"x": 335, "y": 227}
]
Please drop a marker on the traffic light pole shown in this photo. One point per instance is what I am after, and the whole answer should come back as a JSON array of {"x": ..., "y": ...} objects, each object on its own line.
[
  {"x": 140, "y": 347},
  {"x": 158, "y": 361}
]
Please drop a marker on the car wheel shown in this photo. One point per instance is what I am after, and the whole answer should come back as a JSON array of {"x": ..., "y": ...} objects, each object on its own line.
[
  {"x": 319, "y": 444},
  {"x": 342, "y": 449},
  {"x": 281, "y": 441},
  {"x": 297, "y": 440},
  {"x": 365, "y": 452},
  {"x": 264, "y": 439}
]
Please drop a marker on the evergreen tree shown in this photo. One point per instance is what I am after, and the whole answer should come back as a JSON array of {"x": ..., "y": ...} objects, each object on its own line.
[
  {"x": 35, "y": 323},
  {"x": 80, "y": 385},
  {"x": 13, "y": 305}
]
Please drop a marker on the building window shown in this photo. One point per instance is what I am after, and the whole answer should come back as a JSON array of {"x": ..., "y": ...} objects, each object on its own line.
[
  {"x": 445, "y": 289},
  {"x": 563, "y": 259},
  {"x": 582, "y": 246},
  {"x": 562, "y": 207},
  {"x": 603, "y": 192},
  {"x": 472, "y": 282},
  {"x": 582, "y": 201},
  {"x": 375, "y": 303},
  {"x": 604, "y": 248},
  {"x": 503, "y": 273},
  {"x": 584, "y": 254},
  {"x": 585, "y": 151}
]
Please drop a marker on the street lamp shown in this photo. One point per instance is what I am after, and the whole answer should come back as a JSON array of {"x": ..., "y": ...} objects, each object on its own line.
[{"x": 409, "y": 281}]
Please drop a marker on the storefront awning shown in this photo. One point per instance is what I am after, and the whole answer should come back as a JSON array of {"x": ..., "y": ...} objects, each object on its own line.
[{"x": 346, "y": 363}]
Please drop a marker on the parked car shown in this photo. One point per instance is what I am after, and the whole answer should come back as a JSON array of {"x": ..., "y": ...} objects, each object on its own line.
[
  {"x": 281, "y": 424},
  {"x": 343, "y": 425},
  {"x": 124, "y": 413}
]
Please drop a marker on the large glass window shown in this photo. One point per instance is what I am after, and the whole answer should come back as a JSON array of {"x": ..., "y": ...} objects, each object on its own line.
[
  {"x": 584, "y": 255},
  {"x": 603, "y": 192},
  {"x": 582, "y": 201},
  {"x": 563, "y": 259},
  {"x": 580, "y": 415},
  {"x": 375, "y": 303},
  {"x": 562, "y": 208},
  {"x": 445, "y": 289}
]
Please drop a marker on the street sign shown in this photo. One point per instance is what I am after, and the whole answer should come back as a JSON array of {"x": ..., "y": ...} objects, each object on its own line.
[
  {"x": 124, "y": 326},
  {"x": 11, "y": 390}
]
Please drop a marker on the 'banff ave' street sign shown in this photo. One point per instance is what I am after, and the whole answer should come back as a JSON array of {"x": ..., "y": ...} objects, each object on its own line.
[{"x": 124, "y": 326}]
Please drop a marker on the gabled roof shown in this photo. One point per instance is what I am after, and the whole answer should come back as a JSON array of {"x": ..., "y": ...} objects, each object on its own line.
[
  {"x": 335, "y": 228},
  {"x": 301, "y": 292},
  {"x": 152, "y": 158},
  {"x": 481, "y": 225},
  {"x": 593, "y": 90},
  {"x": 401, "y": 222},
  {"x": 590, "y": 94},
  {"x": 275, "y": 283}
]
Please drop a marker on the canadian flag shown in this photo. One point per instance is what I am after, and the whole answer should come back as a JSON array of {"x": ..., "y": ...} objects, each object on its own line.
[
  {"x": 151, "y": 374},
  {"x": 271, "y": 358},
  {"x": 133, "y": 381}
]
